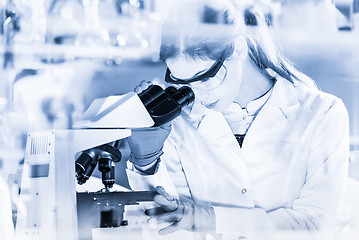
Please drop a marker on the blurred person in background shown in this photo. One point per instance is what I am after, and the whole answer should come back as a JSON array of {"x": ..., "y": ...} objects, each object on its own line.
[{"x": 262, "y": 153}]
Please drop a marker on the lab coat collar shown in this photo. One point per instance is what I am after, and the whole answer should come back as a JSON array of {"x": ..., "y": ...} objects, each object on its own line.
[
  {"x": 256, "y": 104},
  {"x": 277, "y": 112},
  {"x": 284, "y": 96},
  {"x": 277, "y": 115}
]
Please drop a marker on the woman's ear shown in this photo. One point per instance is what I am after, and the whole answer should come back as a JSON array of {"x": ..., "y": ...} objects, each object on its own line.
[{"x": 240, "y": 48}]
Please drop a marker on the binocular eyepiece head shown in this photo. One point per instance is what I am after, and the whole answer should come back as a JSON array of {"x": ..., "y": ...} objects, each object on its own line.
[{"x": 165, "y": 105}]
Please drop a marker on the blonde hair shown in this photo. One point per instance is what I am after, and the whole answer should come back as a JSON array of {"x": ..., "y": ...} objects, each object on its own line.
[{"x": 205, "y": 29}]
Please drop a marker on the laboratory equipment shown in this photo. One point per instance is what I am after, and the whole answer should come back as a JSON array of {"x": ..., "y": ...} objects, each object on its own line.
[
  {"x": 48, "y": 195},
  {"x": 162, "y": 105},
  {"x": 165, "y": 105},
  {"x": 106, "y": 155},
  {"x": 51, "y": 207}
]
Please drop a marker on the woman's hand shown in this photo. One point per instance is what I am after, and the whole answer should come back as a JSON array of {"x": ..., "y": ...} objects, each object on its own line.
[
  {"x": 142, "y": 86},
  {"x": 181, "y": 213},
  {"x": 146, "y": 143}
]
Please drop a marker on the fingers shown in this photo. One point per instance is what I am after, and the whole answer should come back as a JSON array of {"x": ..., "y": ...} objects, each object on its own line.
[
  {"x": 166, "y": 126},
  {"x": 143, "y": 85},
  {"x": 155, "y": 211},
  {"x": 165, "y": 218},
  {"x": 161, "y": 191},
  {"x": 167, "y": 205},
  {"x": 169, "y": 229},
  {"x": 170, "y": 211},
  {"x": 165, "y": 200}
]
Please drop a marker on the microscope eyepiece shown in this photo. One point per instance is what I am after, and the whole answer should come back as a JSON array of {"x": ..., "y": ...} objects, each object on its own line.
[
  {"x": 165, "y": 105},
  {"x": 184, "y": 96},
  {"x": 171, "y": 90},
  {"x": 150, "y": 94}
]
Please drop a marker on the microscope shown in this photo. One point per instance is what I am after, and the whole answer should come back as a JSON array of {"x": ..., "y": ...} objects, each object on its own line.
[{"x": 56, "y": 159}]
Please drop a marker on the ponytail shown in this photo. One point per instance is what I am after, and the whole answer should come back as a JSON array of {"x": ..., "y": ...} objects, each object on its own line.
[{"x": 263, "y": 52}]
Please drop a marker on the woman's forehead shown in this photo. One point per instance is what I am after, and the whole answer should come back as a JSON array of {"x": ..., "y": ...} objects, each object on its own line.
[{"x": 184, "y": 68}]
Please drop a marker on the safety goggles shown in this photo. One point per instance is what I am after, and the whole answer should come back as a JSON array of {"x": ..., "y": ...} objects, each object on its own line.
[{"x": 210, "y": 73}]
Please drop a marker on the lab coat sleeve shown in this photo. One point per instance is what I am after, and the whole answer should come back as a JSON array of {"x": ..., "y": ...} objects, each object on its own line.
[
  {"x": 143, "y": 182},
  {"x": 314, "y": 214}
]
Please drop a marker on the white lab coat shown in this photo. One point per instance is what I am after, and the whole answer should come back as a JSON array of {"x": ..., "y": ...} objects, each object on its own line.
[{"x": 290, "y": 173}]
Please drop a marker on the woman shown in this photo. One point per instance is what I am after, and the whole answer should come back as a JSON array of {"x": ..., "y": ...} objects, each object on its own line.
[{"x": 261, "y": 151}]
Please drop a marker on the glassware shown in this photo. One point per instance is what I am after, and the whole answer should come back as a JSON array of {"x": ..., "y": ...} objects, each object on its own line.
[
  {"x": 92, "y": 33},
  {"x": 65, "y": 21},
  {"x": 32, "y": 22}
]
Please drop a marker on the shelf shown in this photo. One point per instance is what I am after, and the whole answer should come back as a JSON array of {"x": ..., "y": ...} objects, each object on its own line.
[{"x": 70, "y": 52}]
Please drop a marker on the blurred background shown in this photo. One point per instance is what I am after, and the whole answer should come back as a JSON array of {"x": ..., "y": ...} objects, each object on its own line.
[{"x": 59, "y": 55}]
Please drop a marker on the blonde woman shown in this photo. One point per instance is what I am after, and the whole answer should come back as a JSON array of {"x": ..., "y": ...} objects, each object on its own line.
[{"x": 261, "y": 153}]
